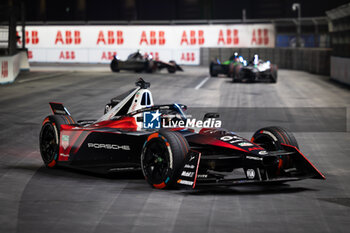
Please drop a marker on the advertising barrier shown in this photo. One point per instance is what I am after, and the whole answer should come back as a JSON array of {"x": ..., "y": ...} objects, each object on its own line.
[
  {"x": 11, "y": 65},
  {"x": 98, "y": 44}
]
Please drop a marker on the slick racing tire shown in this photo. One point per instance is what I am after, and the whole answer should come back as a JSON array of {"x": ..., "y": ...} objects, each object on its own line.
[
  {"x": 162, "y": 158},
  {"x": 236, "y": 72},
  {"x": 274, "y": 74},
  {"x": 114, "y": 65},
  {"x": 211, "y": 70},
  {"x": 172, "y": 69},
  {"x": 49, "y": 139},
  {"x": 271, "y": 138}
]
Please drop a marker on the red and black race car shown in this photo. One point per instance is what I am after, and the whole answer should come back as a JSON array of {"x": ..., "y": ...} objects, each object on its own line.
[
  {"x": 121, "y": 141},
  {"x": 139, "y": 62}
]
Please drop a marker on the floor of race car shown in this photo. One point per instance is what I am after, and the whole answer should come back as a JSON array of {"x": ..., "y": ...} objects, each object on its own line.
[{"x": 36, "y": 199}]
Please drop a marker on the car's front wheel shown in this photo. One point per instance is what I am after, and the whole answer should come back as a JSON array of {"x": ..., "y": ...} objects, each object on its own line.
[{"x": 162, "y": 158}]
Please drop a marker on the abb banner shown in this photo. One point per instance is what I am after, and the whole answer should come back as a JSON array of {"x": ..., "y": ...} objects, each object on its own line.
[{"x": 98, "y": 44}]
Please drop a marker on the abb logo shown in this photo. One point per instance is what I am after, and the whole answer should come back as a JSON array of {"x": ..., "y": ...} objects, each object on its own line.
[
  {"x": 31, "y": 37},
  {"x": 67, "y": 55},
  {"x": 193, "y": 38},
  {"x": 152, "y": 39},
  {"x": 155, "y": 55},
  {"x": 30, "y": 54},
  {"x": 260, "y": 37},
  {"x": 112, "y": 38},
  {"x": 230, "y": 38},
  {"x": 70, "y": 37},
  {"x": 108, "y": 55},
  {"x": 188, "y": 57},
  {"x": 4, "y": 69}
]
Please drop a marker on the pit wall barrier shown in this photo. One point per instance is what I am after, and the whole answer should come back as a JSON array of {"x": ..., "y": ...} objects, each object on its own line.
[
  {"x": 313, "y": 60},
  {"x": 10, "y": 66},
  {"x": 340, "y": 69}
]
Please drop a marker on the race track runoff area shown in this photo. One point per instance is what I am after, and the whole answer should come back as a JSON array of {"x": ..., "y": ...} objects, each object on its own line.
[{"x": 37, "y": 199}]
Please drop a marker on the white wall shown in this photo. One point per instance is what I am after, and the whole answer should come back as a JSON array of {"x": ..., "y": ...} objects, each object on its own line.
[{"x": 98, "y": 44}]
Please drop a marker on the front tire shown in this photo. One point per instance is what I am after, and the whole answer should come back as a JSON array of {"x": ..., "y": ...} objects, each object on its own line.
[
  {"x": 162, "y": 158},
  {"x": 271, "y": 138}
]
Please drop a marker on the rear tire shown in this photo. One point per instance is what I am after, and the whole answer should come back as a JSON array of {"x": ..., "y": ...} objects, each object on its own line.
[
  {"x": 114, "y": 65},
  {"x": 49, "y": 139},
  {"x": 162, "y": 158},
  {"x": 172, "y": 69},
  {"x": 211, "y": 70},
  {"x": 274, "y": 74}
]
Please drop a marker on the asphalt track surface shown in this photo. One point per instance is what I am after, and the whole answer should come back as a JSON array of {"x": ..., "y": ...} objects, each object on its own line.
[{"x": 37, "y": 199}]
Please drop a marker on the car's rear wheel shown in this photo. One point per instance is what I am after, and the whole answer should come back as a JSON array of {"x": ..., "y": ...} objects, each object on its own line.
[
  {"x": 49, "y": 139},
  {"x": 212, "y": 71},
  {"x": 114, "y": 65},
  {"x": 274, "y": 74},
  {"x": 172, "y": 69},
  {"x": 162, "y": 158}
]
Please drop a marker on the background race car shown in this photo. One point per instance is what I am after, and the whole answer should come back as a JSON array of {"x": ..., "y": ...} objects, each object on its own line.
[
  {"x": 240, "y": 70},
  {"x": 139, "y": 62},
  {"x": 227, "y": 67}
]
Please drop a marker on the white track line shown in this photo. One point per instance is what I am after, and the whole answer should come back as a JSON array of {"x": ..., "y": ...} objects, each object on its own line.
[
  {"x": 202, "y": 83},
  {"x": 39, "y": 77}
]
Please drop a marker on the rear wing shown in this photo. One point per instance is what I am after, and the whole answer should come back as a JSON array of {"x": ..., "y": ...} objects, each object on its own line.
[{"x": 58, "y": 109}]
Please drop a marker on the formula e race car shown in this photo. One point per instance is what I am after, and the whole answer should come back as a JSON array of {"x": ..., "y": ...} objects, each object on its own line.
[
  {"x": 139, "y": 63},
  {"x": 242, "y": 71},
  {"x": 132, "y": 136},
  {"x": 227, "y": 67}
]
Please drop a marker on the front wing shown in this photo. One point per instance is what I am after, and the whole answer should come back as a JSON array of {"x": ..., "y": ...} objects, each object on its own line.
[{"x": 190, "y": 178}]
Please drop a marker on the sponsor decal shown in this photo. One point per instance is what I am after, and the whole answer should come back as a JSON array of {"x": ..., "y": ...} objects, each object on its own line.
[
  {"x": 187, "y": 174},
  {"x": 185, "y": 182},
  {"x": 250, "y": 173},
  {"x": 263, "y": 152},
  {"x": 255, "y": 148},
  {"x": 108, "y": 146},
  {"x": 151, "y": 120},
  {"x": 253, "y": 158},
  {"x": 232, "y": 139},
  {"x": 189, "y": 166},
  {"x": 60, "y": 111},
  {"x": 245, "y": 144},
  {"x": 202, "y": 176},
  {"x": 65, "y": 141},
  {"x": 64, "y": 155}
]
